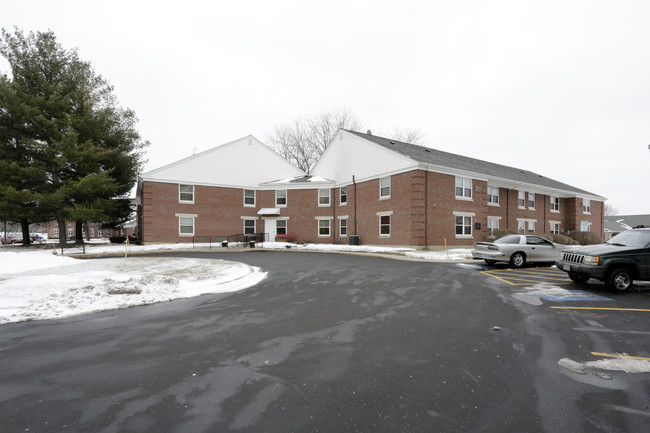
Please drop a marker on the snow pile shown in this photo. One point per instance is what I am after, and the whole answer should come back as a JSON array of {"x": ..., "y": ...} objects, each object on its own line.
[
  {"x": 624, "y": 363},
  {"x": 38, "y": 285}
]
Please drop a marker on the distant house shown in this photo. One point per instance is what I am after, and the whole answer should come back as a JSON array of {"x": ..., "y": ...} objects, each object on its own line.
[
  {"x": 619, "y": 223},
  {"x": 376, "y": 190}
]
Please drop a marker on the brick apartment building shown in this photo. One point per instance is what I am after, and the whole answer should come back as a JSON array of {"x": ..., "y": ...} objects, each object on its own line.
[{"x": 381, "y": 191}]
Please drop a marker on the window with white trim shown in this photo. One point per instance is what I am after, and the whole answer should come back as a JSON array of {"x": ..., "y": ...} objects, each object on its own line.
[
  {"x": 463, "y": 226},
  {"x": 323, "y": 197},
  {"x": 186, "y": 225},
  {"x": 249, "y": 226},
  {"x": 384, "y": 225},
  {"x": 92, "y": 232},
  {"x": 249, "y": 198},
  {"x": 586, "y": 206},
  {"x": 492, "y": 225},
  {"x": 186, "y": 193},
  {"x": 521, "y": 227},
  {"x": 324, "y": 228},
  {"x": 384, "y": 187},
  {"x": 493, "y": 195},
  {"x": 463, "y": 187},
  {"x": 521, "y": 199},
  {"x": 531, "y": 200},
  {"x": 343, "y": 226},
  {"x": 281, "y": 227},
  {"x": 343, "y": 197},
  {"x": 555, "y": 227},
  {"x": 281, "y": 197},
  {"x": 56, "y": 233},
  {"x": 69, "y": 232},
  {"x": 555, "y": 204}
]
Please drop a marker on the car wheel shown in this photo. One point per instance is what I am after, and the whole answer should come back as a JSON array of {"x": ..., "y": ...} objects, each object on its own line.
[
  {"x": 490, "y": 262},
  {"x": 577, "y": 278},
  {"x": 619, "y": 280},
  {"x": 517, "y": 260}
]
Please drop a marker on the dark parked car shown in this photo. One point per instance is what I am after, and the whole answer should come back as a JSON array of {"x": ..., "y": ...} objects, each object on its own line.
[
  {"x": 517, "y": 250},
  {"x": 618, "y": 262}
]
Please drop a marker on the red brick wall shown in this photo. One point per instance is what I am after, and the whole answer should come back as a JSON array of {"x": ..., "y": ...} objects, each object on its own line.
[{"x": 422, "y": 205}]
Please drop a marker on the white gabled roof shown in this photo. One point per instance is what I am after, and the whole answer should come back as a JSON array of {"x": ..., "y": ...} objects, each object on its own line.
[{"x": 246, "y": 162}]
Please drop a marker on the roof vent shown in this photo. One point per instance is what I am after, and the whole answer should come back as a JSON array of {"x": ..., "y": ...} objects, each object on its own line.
[
  {"x": 427, "y": 150},
  {"x": 369, "y": 132},
  {"x": 523, "y": 171},
  {"x": 392, "y": 142}
]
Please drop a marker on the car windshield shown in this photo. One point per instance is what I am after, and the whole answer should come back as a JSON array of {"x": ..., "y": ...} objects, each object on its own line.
[{"x": 631, "y": 238}]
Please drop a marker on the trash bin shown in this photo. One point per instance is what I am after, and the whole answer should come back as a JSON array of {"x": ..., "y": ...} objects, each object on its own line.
[
  {"x": 224, "y": 244},
  {"x": 353, "y": 240},
  {"x": 251, "y": 244}
]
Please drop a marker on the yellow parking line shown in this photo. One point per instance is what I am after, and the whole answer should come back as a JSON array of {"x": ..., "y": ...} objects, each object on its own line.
[
  {"x": 615, "y": 355},
  {"x": 498, "y": 278},
  {"x": 604, "y": 308}
]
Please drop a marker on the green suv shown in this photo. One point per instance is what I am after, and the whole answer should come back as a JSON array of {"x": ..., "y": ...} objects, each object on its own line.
[{"x": 618, "y": 262}]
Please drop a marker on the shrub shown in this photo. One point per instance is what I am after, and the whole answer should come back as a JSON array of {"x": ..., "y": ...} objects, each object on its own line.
[{"x": 585, "y": 238}]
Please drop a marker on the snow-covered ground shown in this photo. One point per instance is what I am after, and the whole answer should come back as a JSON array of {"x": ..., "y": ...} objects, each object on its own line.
[{"x": 38, "y": 284}]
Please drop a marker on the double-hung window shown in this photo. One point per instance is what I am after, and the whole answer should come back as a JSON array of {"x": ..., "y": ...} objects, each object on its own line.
[
  {"x": 323, "y": 197},
  {"x": 343, "y": 195},
  {"x": 493, "y": 226},
  {"x": 531, "y": 200},
  {"x": 555, "y": 227},
  {"x": 463, "y": 187},
  {"x": 249, "y": 198},
  {"x": 186, "y": 224},
  {"x": 464, "y": 224},
  {"x": 555, "y": 204},
  {"x": 384, "y": 187},
  {"x": 186, "y": 193},
  {"x": 281, "y": 227},
  {"x": 249, "y": 227},
  {"x": 521, "y": 199},
  {"x": 493, "y": 196},
  {"x": 343, "y": 226},
  {"x": 384, "y": 225},
  {"x": 281, "y": 197},
  {"x": 586, "y": 206},
  {"x": 324, "y": 228}
]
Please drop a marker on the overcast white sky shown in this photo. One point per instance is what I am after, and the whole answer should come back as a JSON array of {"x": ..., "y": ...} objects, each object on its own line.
[{"x": 557, "y": 87}]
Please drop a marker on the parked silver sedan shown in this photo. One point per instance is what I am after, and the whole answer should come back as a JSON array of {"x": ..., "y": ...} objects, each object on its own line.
[{"x": 517, "y": 250}]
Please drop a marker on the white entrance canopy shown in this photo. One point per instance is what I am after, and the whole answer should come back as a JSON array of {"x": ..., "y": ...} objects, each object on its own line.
[{"x": 269, "y": 211}]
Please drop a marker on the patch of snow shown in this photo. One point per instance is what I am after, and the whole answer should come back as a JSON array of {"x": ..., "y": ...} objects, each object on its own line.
[{"x": 623, "y": 363}]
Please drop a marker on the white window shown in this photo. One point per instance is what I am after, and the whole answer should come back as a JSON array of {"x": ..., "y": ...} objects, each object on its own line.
[
  {"x": 463, "y": 187},
  {"x": 92, "y": 232},
  {"x": 384, "y": 225},
  {"x": 69, "y": 232},
  {"x": 249, "y": 227},
  {"x": 384, "y": 187},
  {"x": 586, "y": 207},
  {"x": 343, "y": 226},
  {"x": 493, "y": 195},
  {"x": 323, "y": 197},
  {"x": 525, "y": 225},
  {"x": 492, "y": 225},
  {"x": 186, "y": 193},
  {"x": 555, "y": 227},
  {"x": 281, "y": 197},
  {"x": 531, "y": 200},
  {"x": 249, "y": 198},
  {"x": 344, "y": 195},
  {"x": 555, "y": 204},
  {"x": 464, "y": 222},
  {"x": 521, "y": 199},
  {"x": 521, "y": 227},
  {"x": 531, "y": 226},
  {"x": 323, "y": 228},
  {"x": 56, "y": 233},
  {"x": 463, "y": 225},
  {"x": 186, "y": 225},
  {"x": 281, "y": 227}
]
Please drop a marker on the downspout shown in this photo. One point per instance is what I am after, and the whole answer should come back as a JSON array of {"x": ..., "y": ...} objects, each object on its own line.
[
  {"x": 426, "y": 208},
  {"x": 334, "y": 225},
  {"x": 355, "y": 205}
]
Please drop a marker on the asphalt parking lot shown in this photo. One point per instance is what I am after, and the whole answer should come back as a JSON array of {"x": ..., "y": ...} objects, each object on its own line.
[{"x": 338, "y": 343}]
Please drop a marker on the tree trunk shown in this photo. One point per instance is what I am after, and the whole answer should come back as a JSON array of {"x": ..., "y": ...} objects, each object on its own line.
[
  {"x": 24, "y": 225},
  {"x": 79, "y": 235},
  {"x": 62, "y": 232}
]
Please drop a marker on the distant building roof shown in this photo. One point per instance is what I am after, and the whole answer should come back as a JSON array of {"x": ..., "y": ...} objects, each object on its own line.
[
  {"x": 445, "y": 159},
  {"x": 619, "y": 223}
]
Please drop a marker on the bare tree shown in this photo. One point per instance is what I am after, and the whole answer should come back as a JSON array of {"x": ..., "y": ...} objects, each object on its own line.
[
  {"x": 303, "y": 141},
  {"x": 412, "y": 136},
  {"x": 610, "y": 210}
]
